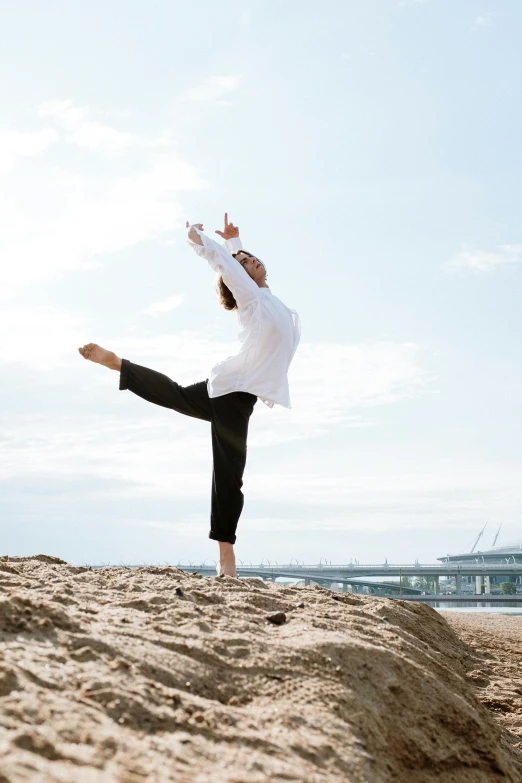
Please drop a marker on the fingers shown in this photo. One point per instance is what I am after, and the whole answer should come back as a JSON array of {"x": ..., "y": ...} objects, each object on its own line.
[
  {"x": 226, "y": 220},
  {"x": 187, "y": 224},
  {"x": 221, "y": 234}
]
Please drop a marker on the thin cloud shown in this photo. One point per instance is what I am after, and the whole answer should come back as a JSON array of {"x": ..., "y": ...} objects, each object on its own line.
[
  {"x": 81, "y": 129},
  {"x": 165, "y": 305},
  {"x": 91, "y": 219},
  {"x": 22, "y": 328},
  {"x": 480, "y": 22},
  {"x": 18, "y": 144},
  {"x": 362, "y": 378},
  {"x": 69, "y": 221},
  {"x": 213, "y": 90},
  {"x": 102, "y": 437},
  {"x": 481, "y": 261},
  {"x": 57, "y": 450}
]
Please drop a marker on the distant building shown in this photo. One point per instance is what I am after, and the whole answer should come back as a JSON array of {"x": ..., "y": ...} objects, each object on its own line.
[
  {"x": 497, "y": 555},
  {"x": 500, "y": 554}
]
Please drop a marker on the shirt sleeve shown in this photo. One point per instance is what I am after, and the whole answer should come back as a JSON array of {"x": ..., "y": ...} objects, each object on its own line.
[
  {"x": 244, "y": 289},
  {"x": 234, "y": 245}
]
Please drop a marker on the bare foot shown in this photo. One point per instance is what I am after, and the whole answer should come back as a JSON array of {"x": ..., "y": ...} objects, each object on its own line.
[
  {"x": 227, "y": 559},
  {"x": 96, "y": 353}
]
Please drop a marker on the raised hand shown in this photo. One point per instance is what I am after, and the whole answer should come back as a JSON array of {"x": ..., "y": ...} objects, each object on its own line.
[
  {"x": 197, "y": 225},
  {"x": 230, "y": 232}
]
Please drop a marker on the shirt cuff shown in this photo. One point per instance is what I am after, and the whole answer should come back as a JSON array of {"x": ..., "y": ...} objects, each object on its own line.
[{"x": 233, "y": 245}]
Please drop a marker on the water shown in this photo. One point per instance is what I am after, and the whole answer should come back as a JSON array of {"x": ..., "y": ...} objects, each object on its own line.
[{"x": 445, "y": 607}]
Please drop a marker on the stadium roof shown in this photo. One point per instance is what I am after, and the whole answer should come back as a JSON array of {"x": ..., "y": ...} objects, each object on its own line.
[{"x": 498, "y": 551}]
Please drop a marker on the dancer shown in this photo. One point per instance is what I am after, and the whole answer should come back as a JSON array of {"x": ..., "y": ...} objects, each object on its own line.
[{"x": 269, "y": 335}]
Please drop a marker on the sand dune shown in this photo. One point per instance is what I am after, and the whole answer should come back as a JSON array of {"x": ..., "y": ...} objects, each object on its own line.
[{"x": 151, "y": 674}]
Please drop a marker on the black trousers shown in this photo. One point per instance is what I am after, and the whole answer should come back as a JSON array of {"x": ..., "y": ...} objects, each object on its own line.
[{"x": 228, "y": 415}]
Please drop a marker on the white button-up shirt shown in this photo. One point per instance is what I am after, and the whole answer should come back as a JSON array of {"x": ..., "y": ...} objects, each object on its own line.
[{"x": 269, "y": 335}]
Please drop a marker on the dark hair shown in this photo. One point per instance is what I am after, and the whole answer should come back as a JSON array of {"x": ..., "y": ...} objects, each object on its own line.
[{"x": 225, "y": 295}]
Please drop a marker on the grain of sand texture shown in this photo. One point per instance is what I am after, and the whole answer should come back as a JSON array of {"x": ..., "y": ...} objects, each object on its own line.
[
  {"x": 496, "y": 665},
  {"x": 152, "y": 674}
]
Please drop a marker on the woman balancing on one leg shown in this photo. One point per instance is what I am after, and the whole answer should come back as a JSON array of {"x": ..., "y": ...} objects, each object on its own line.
[{"x": 269, "y": 336}]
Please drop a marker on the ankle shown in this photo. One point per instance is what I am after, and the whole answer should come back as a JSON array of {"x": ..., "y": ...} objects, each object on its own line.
[{"x": 226, "y": 551}]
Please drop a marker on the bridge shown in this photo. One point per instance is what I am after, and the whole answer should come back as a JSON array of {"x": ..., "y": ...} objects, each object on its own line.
[{"x": 353, "y": 575}]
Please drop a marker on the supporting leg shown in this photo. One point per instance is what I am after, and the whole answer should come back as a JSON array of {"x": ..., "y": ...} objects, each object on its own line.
[
  {"x": 230, "y": 416},
  {"x": 227, "y": 559}
]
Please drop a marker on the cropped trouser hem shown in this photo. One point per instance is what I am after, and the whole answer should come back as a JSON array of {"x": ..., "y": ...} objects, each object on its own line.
[
  {"x": 215, "y": 537},
  {"x": 228, "y": 415},
  {"x": 124, "y": 372}
]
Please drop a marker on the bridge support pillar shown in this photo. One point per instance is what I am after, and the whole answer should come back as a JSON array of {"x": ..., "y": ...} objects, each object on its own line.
[
  {"x": 307, "y": 583},
  {"x": 478, "y": 585},
  {"x": 487, "y": 582},
  {"x": 436, "y": 586},
  {"x": 345, "y": 587},
  {"x": 458, "y": 584}
]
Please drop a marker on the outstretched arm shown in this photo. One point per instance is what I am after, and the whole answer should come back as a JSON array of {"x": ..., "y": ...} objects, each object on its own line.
[
  {"x": 244, "y": 289},
  {"x": 193, "y": 235},
  {"x": 231, "y": 236}
]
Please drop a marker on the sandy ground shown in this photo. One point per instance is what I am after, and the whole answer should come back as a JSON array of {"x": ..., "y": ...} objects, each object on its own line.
[
  {"x": 151, "y": 674},
  {"x": 495, "y": 665}
]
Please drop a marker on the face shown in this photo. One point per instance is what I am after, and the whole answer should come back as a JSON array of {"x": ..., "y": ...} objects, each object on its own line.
[{"x": 252, "y": 265}]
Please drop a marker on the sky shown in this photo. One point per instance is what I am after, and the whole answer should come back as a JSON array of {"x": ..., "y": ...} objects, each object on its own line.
[{"x": 370, "y": 155}]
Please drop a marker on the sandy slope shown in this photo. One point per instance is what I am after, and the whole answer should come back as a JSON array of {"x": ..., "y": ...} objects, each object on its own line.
[
  {"x": 151, "y": 674},
  {"x": 495, "y": 665}
]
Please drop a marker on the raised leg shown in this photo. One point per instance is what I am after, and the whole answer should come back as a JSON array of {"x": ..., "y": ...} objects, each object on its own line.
[
  {"x": 229, "y": 415},
  {"x": 95, "y": 353},
  {"x": 156, "y": 387}
]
